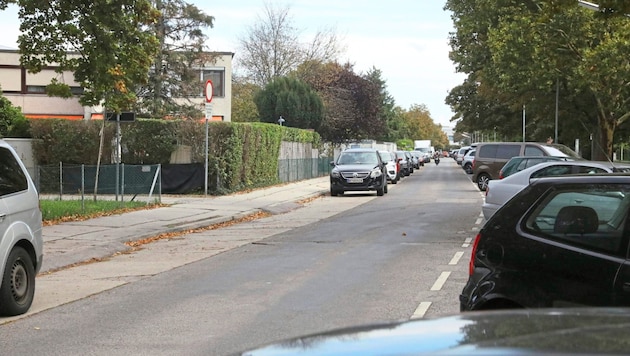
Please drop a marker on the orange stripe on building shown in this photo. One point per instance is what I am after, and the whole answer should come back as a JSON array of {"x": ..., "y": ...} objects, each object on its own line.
[{"x": 47, "y": 116}]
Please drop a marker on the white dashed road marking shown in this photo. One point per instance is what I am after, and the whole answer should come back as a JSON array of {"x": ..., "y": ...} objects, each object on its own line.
[
  {"x": 456, "y": 258},
  {"x": 439, "y": 283},
  {"x": 421, "y": 310}
]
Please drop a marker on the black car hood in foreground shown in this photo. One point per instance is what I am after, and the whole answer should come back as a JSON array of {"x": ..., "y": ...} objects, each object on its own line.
[{"x": 508, "y": 332}]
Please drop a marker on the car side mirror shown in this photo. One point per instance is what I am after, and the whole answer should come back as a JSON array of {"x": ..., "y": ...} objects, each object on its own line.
[{"x": 332, "y": 163}]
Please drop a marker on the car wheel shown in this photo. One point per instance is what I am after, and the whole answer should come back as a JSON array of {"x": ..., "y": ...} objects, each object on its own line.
[
  {"x": 385, "y": 189},
  {"x": 482, "y": 181},
  {"x": 18, "y": 283},
  {"x": 468, "y": 168},
  {"x": 333, "y": 192},
  {"x": 407, "y": 172},
  {"x": 380, "y": 191},
  {"x": 395, "y": 180}
]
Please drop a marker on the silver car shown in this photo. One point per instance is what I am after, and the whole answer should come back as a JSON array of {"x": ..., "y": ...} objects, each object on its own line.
[
  {"x": 500, "y": 191},
  {"x": 21, "y": 244}
]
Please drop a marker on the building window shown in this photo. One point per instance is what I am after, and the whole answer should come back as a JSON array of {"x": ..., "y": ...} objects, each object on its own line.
[
  {"x": 36, "y": 89},
  {"x": 217, "y": 76},
  {"x": 41, "y": 89}
]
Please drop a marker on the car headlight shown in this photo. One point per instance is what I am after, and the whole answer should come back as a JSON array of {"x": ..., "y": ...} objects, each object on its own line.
[
  {"x": 376, "y": 172},
  {"x": 334, "y": 174}
]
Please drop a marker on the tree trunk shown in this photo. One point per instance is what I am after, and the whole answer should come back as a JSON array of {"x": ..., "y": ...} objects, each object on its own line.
[{"x": 603, "y": 142}]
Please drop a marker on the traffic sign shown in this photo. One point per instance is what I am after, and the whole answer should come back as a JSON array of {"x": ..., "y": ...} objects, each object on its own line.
[{"x": 208, "y": 91}]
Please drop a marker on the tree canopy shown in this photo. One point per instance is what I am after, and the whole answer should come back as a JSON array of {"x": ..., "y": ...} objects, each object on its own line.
[
  {"x": 518, "y": 54},
  {"x": 110, "y": 43},
  {"x": 291, "y": 99}
]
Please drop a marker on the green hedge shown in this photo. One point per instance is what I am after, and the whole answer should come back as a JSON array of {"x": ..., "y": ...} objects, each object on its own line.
[{"x": 241, "y": 155}]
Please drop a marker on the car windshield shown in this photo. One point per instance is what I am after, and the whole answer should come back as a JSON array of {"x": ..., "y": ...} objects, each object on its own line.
[
  {"x": 385, "y": 156},
  {"x": 357, "y": 158}
]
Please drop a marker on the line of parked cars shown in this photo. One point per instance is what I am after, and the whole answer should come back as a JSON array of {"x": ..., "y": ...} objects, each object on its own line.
[
  {"x": 369, "y": 169},
  {"x": 557, "y": 230}
]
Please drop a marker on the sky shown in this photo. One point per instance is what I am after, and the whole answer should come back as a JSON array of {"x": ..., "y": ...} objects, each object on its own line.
[{"x": 406, "y": 39}]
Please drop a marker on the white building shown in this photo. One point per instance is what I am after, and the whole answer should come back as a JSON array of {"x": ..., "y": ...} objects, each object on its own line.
[{"x": 28, "y": 90}]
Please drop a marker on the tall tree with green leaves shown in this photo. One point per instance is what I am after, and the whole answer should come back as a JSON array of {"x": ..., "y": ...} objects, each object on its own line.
[
  {"x": 293, "y": 100},
  {"x": 107, "y": 44},
  {"x": 352, "y": 102},
  {"x": 387, "y": 104},
  {"x": 181, "y": 53},
  {"x": 523, "y": 52}
]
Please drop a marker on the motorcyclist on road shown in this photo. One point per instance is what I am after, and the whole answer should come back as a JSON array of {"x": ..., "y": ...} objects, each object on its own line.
[{"x": 436, "y": 158}]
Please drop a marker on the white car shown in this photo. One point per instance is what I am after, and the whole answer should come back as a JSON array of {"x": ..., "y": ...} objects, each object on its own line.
[
  {"x": 467, "y": 161},
  {"x": 392, "y": 167},
  {"x": 459, "y": 157},
  {"x": 500, "y": 191},
  {"x": 21, "y": 243}
]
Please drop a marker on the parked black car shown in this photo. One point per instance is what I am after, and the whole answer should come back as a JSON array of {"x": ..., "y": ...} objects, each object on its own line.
[
  {"x": 562, "y": 241},
  {"x": 358, "y": 169}
]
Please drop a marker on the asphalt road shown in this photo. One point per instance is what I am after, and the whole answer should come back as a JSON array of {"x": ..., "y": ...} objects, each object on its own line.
[{"x": 339, "y": 261}]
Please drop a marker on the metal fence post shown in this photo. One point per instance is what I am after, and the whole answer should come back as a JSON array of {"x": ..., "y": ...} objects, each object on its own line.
[
  {"x": 83, "y": 188},
  {"x": 60, "y": 180}
]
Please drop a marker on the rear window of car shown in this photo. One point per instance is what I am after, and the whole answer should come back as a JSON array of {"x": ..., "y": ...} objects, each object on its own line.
[
  {"x": 591, "y": 217},
  {"x": 12, "y": 178}
]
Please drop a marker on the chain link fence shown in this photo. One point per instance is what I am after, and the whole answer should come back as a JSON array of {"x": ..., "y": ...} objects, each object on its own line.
[{"x": 120, "y": 182}]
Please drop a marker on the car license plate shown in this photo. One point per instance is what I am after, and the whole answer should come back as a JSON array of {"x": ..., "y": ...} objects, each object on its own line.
[{"x": 355, "y": 180}]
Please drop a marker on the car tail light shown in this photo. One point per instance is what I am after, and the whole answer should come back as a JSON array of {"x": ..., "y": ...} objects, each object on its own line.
[
  {"x": 501, "y": 174},
  {"x": 472, "y": 164},
  {"x": 471, "y": 266}
]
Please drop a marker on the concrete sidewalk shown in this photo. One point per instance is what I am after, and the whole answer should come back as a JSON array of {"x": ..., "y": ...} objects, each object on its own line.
[{"x": 74, "y": 242}]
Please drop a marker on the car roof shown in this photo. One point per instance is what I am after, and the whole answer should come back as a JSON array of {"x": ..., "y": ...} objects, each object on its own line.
[
  {"x": 360, "y": 150},
  {"x": 562, "y": 158},
  {"x": 615, "y": 177},
  {"x": 595, "y": 164}
]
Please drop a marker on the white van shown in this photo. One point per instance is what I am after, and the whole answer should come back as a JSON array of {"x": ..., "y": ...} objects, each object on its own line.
[{"x": 21, "y": 243}]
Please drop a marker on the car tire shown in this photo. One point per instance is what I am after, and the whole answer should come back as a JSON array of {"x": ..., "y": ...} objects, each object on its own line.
[
  {"x": 333, "y": 192},
  {"x": 18, "y": 283},
  {"x": 380, "y": 191},
  {"x": 482, "y": 181},
  {"x": 468, "y": 168},
  {"x": 407, "y": 172},
  {"x": 385, "y": 190},
  {"x": 395, "y": 180}
]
